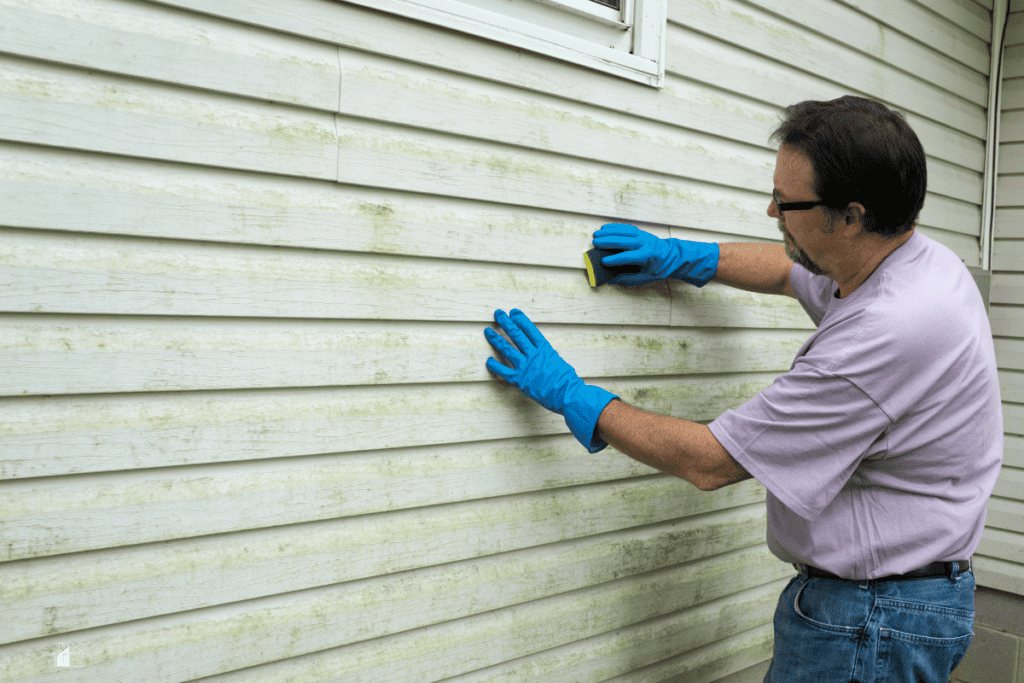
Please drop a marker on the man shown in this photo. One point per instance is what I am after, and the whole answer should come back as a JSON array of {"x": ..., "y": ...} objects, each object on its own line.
[{"x": 881, "y": 445}]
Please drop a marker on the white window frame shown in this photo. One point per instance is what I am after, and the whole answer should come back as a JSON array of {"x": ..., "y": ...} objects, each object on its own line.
[{"x": 644, "y": 20}]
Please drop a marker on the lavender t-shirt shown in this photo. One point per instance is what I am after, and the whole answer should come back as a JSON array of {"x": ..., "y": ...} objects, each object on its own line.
[{"x": 881, "y": 445}]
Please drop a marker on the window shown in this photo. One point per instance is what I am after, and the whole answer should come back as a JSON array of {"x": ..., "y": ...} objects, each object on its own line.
[{"x": 621, "y": 37}]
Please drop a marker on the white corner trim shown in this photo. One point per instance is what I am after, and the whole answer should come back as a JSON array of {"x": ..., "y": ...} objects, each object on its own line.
[{"x": 1000, "y": 15}]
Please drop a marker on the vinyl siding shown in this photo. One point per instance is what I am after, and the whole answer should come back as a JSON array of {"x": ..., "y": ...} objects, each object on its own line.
[
  {"x": 248, "y": 253},
  {"x": 1001, "y": 555}
]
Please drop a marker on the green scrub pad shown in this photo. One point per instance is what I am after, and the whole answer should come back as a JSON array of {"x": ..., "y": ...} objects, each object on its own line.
[{"x": 599, "y": 274}]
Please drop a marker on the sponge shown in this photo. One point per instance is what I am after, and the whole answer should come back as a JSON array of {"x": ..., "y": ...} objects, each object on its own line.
[{"x": 599, "y": 274}]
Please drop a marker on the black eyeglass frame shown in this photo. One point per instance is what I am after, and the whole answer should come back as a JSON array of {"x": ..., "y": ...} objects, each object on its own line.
[{"x": 795, "y": 206}]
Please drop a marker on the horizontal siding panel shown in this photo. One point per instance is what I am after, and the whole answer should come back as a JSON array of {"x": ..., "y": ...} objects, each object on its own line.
[
  {"x": 62, "y": 107},
  {"x": 895, "y": 49},
  {"x": 382, "y": 156},
  {"x": 911, "y": 19},
  {"x": 1011, "y": 158},
  {"x": 77, "y": 274},
  {"x": 148, "y": 41},
  {"x": 479, "y": 641},
  {"x": 130, "y": 583},
  {"x": 219, "y": 639},
  {"x": 1009, "y": 223},
  {"x": 398, "y": 92},
  {"x": 967, "y": 14},
  {"x": 58, "y": 515},
  {"x": 1007, "y": 288},
  {"x": 679, "y": 102},
  {"x": 379, "y": 155},
  {"x": 60, "y": 355},
  {"x": 656, "y": 640},
  {"x": 1002, "y": 547},
  {"x": 995, "y": 573},
  {"x": 1013, "y": 67},
  {"x": 395, "y": 92},
  {"x": 50, "y": 190},
  {"x": 1010, "y": 353},
  {"x": 954, "y": 181},
  {"x": 757, "y": 31},
  {"x": 1005, "y": 545},
  {"x": 708, "y": 60},
  {"x": 1005, "y": 514},
  {"x": 1013, "y": 93},
  {"x": 691, "y": 626},
  {"x": 716, "y": 305},
  {"x": 1010, "y": 483},
  {"x": 53, "y": 273},
  {"x": 1013, "y": 419},
  {"x": 1013, "y": 452},
  {"x": 709, "y": 663},
  {"x": 1008, "y": 255},
  {"x": 964, "y": 246},
  {"x": 1011, "y": 129},
  {"x": 621, "y": 645},
  {"x": 1015, "y": 28},
  {"x": 51, "y": 436},
  {"x": 1012, "y": 386},
  {"x": 951, "y": 216}
]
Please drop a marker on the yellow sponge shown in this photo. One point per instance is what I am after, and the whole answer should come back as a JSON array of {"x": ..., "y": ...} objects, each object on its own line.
[{"x": 598, "y": 273}]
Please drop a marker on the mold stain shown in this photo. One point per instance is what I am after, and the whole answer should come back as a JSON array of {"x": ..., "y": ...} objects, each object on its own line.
[
  {"x": 387, "y": 230},
  {"x": 649, "y": 343},
  {"x": 162, "y": 106}
]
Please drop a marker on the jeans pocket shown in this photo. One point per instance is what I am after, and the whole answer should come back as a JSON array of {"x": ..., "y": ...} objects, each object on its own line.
[
  {"x": 807, "y": 649},
  {"x": 923, "y": 642},
  {"x": 817, "y": 605}
]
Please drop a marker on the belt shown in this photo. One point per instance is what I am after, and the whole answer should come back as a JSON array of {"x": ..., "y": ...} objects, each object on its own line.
[{"x": 930, "y": 570}]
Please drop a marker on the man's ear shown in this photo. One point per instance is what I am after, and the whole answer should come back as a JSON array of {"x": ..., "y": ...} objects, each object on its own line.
[{"x": 854, "y": 215}]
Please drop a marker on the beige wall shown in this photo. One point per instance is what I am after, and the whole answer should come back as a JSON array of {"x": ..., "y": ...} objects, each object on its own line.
[
  {"x": 248, "y": 254},
  {"x": 1001, "y": 555}
]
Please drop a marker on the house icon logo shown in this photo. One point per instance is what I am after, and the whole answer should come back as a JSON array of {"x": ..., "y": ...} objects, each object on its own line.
[{"x": 68, "y": 654}]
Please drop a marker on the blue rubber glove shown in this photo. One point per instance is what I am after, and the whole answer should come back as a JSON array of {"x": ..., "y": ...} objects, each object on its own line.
[
  {"x": 693, "y": 262},
  {"x": 540, "y": 373}
]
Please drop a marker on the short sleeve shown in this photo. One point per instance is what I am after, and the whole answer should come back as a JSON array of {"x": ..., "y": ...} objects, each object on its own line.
[{"x": 803, "y": 436}]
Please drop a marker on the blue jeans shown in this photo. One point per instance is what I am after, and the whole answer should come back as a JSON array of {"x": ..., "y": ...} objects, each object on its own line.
[{"x": 835, "y": 631}]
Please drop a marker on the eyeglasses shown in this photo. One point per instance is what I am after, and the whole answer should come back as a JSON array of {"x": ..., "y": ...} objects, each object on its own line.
[{"x": 794, "y": 206}]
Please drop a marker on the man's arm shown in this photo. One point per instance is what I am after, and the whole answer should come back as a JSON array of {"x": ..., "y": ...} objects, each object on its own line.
[
  {"x": 755, "y": 267},
  {"x": 681, "y": 448}
]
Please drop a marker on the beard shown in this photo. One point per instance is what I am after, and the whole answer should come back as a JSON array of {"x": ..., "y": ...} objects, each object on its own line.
[{"x": 796, "y": 255}]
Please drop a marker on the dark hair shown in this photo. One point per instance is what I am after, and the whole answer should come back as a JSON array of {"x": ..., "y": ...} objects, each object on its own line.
[{"x": 863, "y": 152}]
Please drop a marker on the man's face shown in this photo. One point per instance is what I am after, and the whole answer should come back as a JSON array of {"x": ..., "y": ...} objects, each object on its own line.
[{"x": 805, "y": 231}]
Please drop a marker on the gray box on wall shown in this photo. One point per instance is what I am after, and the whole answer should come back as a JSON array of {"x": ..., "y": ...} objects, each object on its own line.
[{"x": 983, "y": 279}]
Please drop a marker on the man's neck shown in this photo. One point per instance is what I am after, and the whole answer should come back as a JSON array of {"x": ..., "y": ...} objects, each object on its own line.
[{"x": 866, "y": 254}]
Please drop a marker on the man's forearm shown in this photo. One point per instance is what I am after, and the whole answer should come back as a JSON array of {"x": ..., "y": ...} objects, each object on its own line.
[
  {"x": 681, "y": 448},
  {"x": 755, "y": 267}
]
